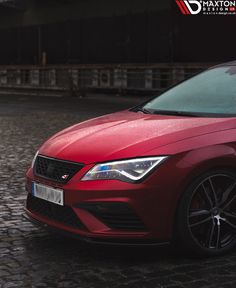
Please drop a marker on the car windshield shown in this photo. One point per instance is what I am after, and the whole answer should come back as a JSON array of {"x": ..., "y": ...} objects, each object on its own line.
[{"x": 209, "y": 93}]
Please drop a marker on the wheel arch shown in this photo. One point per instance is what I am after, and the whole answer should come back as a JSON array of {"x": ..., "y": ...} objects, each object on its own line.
[{"x": 200, "y": 162}]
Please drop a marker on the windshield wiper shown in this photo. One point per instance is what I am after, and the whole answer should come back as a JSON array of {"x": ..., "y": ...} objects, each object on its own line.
[
  {"x": 176, "y": 113},
  {"x": 166, "y": 112},
  {"x": 144, "y": 110}
]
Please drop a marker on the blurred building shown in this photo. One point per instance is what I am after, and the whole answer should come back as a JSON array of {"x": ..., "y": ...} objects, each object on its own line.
[
  {"x": 110, "y": 31},
  {"x": 128, "y": 46}
]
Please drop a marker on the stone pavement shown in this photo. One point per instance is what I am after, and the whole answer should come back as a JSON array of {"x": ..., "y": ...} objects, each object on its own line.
[{"x": 31, "y": 257}]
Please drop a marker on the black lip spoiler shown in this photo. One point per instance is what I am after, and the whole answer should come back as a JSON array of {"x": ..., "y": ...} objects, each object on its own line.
[{"x": 102, "y": 241}]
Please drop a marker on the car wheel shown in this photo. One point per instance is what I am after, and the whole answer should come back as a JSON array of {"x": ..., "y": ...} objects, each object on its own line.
[{"x": 206, "y": 216}]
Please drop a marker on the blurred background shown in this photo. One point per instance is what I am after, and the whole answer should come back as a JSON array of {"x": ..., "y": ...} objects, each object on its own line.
[{"x": 125, "y": 47}]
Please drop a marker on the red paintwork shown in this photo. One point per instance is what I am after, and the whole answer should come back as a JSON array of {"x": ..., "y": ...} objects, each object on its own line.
[
  {"x": 126, "y": 135},
  {"x": 195, "y": 145}
]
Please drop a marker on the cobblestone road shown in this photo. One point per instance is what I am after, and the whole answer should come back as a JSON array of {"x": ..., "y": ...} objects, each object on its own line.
[{"x": 30, "y": 257}]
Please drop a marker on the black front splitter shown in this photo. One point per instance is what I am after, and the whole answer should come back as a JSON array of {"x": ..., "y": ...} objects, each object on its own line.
[{"x": 100, "y": 241}]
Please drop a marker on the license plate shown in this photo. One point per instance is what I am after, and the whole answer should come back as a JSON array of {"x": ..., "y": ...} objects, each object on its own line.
[{"x": 47, "y": 193}]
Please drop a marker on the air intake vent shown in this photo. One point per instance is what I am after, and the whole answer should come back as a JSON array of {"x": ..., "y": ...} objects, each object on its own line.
[{"x": 117, "y": 216}]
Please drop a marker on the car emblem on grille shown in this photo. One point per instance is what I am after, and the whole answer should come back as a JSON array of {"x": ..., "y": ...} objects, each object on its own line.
[{"x": 64, "y": 177}]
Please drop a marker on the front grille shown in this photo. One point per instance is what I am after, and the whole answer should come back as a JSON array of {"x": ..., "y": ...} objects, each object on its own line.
[
  {"x": 118, "y": 216},
  {"x": 56, "y": 170},
  {"x": 61, "y": 214}
]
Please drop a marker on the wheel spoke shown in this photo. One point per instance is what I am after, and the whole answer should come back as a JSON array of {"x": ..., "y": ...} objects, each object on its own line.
[
  {"x": 230, "y": 214},
  {"x": 211, "y": 234},
  {"x": 227, "y": 193},
  {"x": 218, "y": 234},
  {"x": 230, "y": 224},
  {"x": 207, "y": 196},
  {"x": 201, "y": 222},
  {"x": 213, "y": 191},
  {"x": 229, "y": 202},
  {"x": 199, "y": 212}
]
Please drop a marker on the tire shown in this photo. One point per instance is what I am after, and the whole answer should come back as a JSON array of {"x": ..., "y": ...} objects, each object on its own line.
[{"x": 206, "y": 215}]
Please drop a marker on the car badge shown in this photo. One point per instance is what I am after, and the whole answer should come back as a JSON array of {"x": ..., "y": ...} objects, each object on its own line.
[{"x": 64, "y": 177}]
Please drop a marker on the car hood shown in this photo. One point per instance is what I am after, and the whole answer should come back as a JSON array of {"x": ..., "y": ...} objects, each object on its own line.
[{"x": 127, "y": 134}]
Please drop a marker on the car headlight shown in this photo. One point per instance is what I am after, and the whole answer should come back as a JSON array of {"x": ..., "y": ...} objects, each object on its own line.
[
  {"x": 126, "y": 170},
  {"x": 34, "y": 159}
]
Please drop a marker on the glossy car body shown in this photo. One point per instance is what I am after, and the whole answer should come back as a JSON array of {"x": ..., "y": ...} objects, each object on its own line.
[{"x": 144, "y": 211}]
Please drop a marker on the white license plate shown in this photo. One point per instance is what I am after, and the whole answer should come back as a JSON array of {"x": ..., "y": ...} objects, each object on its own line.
[{"x": 47, "y": 193}]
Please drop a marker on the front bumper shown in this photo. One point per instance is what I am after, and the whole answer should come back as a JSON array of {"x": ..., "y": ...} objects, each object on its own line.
[
  {"x": 93, "y": 240},
  {"x": 111, "y": 209}
]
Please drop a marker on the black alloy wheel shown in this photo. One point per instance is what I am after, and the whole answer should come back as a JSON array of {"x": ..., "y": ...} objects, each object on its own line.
[{"x": 207, "y": 214}]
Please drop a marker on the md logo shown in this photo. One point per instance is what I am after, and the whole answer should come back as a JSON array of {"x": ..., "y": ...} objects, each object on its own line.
[{"x": 189, "y": 7}]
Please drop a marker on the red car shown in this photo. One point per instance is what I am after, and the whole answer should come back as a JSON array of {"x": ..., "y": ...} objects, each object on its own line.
[{"x": 160, "y": 171}]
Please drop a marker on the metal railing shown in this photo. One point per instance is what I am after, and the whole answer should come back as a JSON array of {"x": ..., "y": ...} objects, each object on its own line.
[{"x": 79, "y": 80}]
